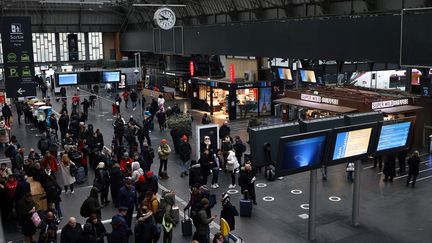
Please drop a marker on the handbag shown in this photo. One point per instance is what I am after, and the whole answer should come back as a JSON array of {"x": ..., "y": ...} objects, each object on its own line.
[{"x": 36, "y": 219}]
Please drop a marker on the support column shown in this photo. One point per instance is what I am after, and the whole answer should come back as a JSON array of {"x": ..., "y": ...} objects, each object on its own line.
[
  {"x": 87, "y": 46},
  {"x": 312, "y": 205},
  {"x": 57, "y": 49},
  {"x": 356, "y": 194},
  {"x": 408, "y": 78}
]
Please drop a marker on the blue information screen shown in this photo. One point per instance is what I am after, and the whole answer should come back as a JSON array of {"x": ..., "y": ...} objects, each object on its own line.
[
  {"x": 111, "y": 77},
  {"x": 302, "y": 153},
  {"x": 393, "y": 136},
  {"x": 352, "y": 143},
  {"x": 68, "y": 79},
  {"x": 285, "y": 73}
]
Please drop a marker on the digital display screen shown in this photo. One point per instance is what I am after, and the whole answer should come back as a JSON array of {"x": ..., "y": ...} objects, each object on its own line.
[
  {"x": 302, "y": 153},
  {"x": 394, "y": 136},
  {"x": 285, "y": 73},
  {"x": 68, "y": 79},
  {"x": 352, "y": 143},
  {"x": 89, "y": 77},
  {"x": 111, "y": 77},
  {"x": 308, "y": 76}
]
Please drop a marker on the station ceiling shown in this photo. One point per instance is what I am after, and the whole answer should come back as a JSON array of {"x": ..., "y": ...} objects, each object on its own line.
[{"x": 122, "y": 15}]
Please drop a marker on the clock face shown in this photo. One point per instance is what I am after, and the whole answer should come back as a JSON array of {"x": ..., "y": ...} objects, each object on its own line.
[{"x": 165, "y": 18}]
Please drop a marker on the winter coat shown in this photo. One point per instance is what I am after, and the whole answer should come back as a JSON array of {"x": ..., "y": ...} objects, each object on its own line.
[
  {"x": 413, "y": 164},
  {"x": 164, "y": 151},
  {"x": 52, "y": 189},
  {"x": 224, "y": 131},
  {"x": 144, "y": 228},
  {"x": 390, "y": 165},
  {"x": 205, "y": 162},
  {"x": 232, "y": 162},
  {"x": 4, "y": 134},
  {"x": 128, "y": 197},
  {"x": 98, "y": 230},
  {"x": 23, "y": 210},
  {"x": 185, "y": 151},
  {"x": 116, "y": 177},
  {"x": 71, "y": 235},
  {"x": 152, "y": 204},
  {"x": 195, "y": 174},
  {"x": 134, "y": 96},
  {"x": 169, "y": 200},
  {"x": 245, "y": 180},
  {"x": 93, "y": 205},
  {"x": 136, "y": 171},
  {"x": 50, "y": 162},
  {"x": 67, "y": 178},
  {"x": 228, "y": 214},
  {"x": 102, "y": 177},
  {"x": 239, "y": 148},
  {"x": 203, "y": 222}
]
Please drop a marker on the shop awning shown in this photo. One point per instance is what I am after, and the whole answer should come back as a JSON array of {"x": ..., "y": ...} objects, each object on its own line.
[
  {"x": 400, "y": 109},
  {"x": 314, "y": 105}
]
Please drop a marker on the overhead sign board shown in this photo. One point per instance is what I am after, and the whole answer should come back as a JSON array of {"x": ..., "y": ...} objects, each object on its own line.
[
  {"x": 319, "y": 99},
  {"x": 17, "y": 44},
  {"x": 389, "y": 103}
]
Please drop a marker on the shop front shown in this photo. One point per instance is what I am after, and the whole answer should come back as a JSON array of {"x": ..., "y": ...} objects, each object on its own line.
[
  {"x": 238, "y": 100},
  {"x": 169, "y": 82}
]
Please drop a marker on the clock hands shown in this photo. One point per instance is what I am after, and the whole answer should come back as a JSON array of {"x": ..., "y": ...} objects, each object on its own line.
[{"x": 163, "y": 18}]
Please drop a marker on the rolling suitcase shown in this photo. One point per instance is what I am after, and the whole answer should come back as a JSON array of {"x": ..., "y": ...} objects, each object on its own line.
[
  {"x": 176, "y": 213},
  {"x": 245, "y": 206},
  {"x": 186, "y": 224},
  {"x": 80, "y": 175}
]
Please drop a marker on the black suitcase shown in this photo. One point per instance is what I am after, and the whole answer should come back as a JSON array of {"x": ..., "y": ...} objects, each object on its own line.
[
  {"x": 245, "y": 205},
  {"x": 186, "y": 224}
]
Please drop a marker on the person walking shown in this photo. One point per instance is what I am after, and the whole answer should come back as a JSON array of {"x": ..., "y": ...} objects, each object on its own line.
[
  {"x": 206, "y": 162},
  {"x": 205, "y": 119},
  {"x": 168, "y": 220},
  {"x": 413, "y": 168},
  {"x": 145, "y": 228},
  {"x": 125, "y": 96},
  {"x": 239, "y": 148},
  {"x": 92, "y": 205},
  {"x": 164, "y": 151},
  {"x": 185, "y": 155},
  {"x": 71, "y": 232},
  {"x": 128, "y": 198},
  {"x": 232, "y": 166},
  {"x": 202, "y": 222},
  {"x": 67, "y": 173},
  {"x": 216, "y": 166},
  {"x": 25, "y": 210},
  {"x": 120, "y": 230},
  {"x": 97, "y": 228},
  {"x": 134, "y": 98},
  {"x": 389, "y": 167},
  {"x": 402, "y": 161},
  {"x": 161, "y": 118},
  {"x": 224, "y": 131},
  {"x": 19, "y": 109}
]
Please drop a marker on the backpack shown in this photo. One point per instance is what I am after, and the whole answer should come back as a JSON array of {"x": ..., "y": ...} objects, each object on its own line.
[
  {"x": 73, "y": 170},
  {"x": 44, "y": 144},
  {"x": 9, "y": 152},
  {"x": 84, "y": 211}
]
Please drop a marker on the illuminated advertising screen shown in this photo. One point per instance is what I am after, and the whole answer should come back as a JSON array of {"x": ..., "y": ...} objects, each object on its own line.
[
  {"x": 67, "y": 79},
  {"x": 308, "y": 76},
  {"x": 301, "y": 152},
  {"x": 394, "y": 136},
  {"x": 352, "y": 143},
  {"x": 285, "y": 73},
  {"x": 111, "y": 76}
]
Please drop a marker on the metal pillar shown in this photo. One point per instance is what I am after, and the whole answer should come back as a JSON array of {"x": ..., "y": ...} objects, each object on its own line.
[
  {"x": 356, "y": 194},
  {"x": 312, "y": 205}
]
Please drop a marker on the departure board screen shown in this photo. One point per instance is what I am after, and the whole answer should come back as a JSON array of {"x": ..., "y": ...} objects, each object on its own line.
[
  {"x": 352, "y": 143},
  {"x": 394, "y": 136}
]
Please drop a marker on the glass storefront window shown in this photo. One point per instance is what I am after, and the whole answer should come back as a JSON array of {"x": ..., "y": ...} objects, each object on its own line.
[
  {"x": 247, "y": 103},
  {"x": 202, "y": 92}
]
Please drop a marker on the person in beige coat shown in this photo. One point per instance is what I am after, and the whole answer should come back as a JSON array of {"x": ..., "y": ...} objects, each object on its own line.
[{"x": 66, "y": 178}]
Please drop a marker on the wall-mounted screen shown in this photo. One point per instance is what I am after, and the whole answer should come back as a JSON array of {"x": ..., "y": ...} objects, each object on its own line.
[
  {"x": 301, "y": 152},
  {"x": 394, "y": 136},
  {"x": 111, "y": 76},
  {"x": 308, "y": 76},
  {"x": 67, "y": 79},
  {"x": 89, "y": 77},
  {"x": 285, "y": 73}
]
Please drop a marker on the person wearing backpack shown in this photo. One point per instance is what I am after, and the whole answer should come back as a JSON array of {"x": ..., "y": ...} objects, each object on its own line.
[
  {"x": 68, "y": 171},
  {"x": 185, "y": 155},
  {"x": 91, "y": 205},
  {"x": 229, "y": 212},
  {"x": 168, "y": 221},
  {"x": 44, "y": 143},
  {"x": 202, "y": 222}
]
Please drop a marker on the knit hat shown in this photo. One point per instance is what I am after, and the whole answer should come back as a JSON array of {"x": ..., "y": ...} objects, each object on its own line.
[
  {"x": 164, "y": 141},
  {"x": 204, "y": 201},
  {"x": 141, "y": 178},
  {"x": 149, "y": 173}
]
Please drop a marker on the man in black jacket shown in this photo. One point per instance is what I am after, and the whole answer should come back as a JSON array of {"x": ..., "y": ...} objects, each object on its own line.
[
  {"x": 71, "y": 232},
  {"x": 134, "y": 98},
  {"x": 224, "y": 131},
  {"x": 185, "y": 154},
  {"x": 247, "y": 181}
]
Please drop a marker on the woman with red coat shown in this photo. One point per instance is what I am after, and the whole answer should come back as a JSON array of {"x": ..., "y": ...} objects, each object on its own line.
[{"x": 84, "y": 150}]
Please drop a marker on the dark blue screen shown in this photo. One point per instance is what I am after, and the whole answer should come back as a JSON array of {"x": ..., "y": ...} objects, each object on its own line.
[{"x": 303, "y": 152}]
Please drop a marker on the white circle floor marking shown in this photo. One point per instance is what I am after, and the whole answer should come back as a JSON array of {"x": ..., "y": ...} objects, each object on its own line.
[
  {"x": 305, "y": 206},
  {"x": 232, "y": 191},
  {"x": 335, "y": 199},
  {"x": 261, "y": 185},
  {"x": 268, "y": 199},
  {"x": 296, "y": 191}
]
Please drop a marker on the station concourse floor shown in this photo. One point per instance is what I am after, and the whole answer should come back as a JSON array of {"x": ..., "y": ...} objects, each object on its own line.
[{"x": 389, "y": 212}]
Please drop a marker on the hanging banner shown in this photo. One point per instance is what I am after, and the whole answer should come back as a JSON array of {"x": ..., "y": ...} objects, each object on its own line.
[
  {"x": 232, "y": 73},
  {"x": 17, "y": 44},
  {"x": 191, "y": 68}
]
